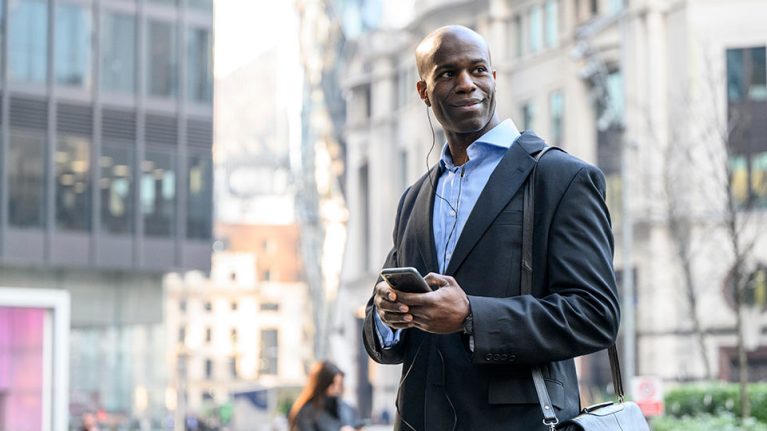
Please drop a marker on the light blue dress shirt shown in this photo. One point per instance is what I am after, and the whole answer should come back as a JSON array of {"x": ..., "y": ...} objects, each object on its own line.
[{"x": 459, "y": 188}]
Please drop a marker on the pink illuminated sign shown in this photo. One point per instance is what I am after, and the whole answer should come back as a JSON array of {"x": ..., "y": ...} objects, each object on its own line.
[{"x": 21, "y": 368}]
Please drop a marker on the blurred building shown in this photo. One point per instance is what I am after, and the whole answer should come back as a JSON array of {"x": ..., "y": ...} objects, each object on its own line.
[
  {"x": 660, "y": 77},
  {"x": 106, "y": 180},
  {"x": 319, "y": 169},
  {"x": 247, "y": 326}
]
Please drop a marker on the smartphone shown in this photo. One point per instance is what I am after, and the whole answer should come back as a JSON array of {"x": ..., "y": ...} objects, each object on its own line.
[{"x": 405, "y": 280}]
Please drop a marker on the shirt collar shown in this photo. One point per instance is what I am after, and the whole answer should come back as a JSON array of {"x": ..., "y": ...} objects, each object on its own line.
[{"x": 501, "y": 136}]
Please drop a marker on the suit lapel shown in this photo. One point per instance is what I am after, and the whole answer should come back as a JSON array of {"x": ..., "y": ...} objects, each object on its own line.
[
  {"x": 422, "y": 217},
  {"x": 503, "y": 183}
]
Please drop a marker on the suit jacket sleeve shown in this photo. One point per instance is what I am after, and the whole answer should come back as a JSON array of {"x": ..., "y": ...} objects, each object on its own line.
[
  {"x": 394, "y": 354},
  {"x": 578, "y": 313}
]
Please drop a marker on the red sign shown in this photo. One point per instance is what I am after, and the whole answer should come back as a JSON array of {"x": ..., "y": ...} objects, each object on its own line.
[{"x": 647, "y": 392}]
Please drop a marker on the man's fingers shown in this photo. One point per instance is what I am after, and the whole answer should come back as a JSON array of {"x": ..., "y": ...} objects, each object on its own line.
[
  {"x": 397, "y": 320},
  {"x": 384, "y": 291},
  {"x": 437, "y": 280}
]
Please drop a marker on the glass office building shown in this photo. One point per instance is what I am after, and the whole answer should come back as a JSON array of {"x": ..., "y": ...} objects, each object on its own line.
[{"x": 106, "y": 176}]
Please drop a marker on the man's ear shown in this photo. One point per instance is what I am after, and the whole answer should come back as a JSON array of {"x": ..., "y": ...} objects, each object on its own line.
[{"x": 420, "y": 86}]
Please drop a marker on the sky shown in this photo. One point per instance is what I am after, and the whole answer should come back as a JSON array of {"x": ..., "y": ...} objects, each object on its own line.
[{"x": 246, "y": 28}]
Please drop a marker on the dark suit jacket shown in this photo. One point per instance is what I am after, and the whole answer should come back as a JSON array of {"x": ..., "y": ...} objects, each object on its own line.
[{"x": 573, "y": 310}]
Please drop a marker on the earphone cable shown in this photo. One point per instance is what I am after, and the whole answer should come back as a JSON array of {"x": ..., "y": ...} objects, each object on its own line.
[
  {"x": 434, "y": 188},
  {"x": 402, "y": 381}
]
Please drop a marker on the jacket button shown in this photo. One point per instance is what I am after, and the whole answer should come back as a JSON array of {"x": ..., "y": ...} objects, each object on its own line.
[{"x": 489, "y": 357}]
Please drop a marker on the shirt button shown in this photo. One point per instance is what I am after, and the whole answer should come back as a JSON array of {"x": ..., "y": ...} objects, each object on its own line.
[{"x": 452, "y": 213}]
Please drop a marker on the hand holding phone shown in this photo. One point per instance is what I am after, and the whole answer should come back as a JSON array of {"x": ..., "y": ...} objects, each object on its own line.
[{"x": 405, "y": 279}]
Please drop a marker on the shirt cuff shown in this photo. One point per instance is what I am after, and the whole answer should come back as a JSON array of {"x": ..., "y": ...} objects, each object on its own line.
[{"x": 386, "y": 336}]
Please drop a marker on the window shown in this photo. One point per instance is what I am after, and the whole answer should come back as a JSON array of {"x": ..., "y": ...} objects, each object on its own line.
[
  {"x": 199, "y": 66},
  {"x": 158, "y": 193},
  {"x": 73, "y": 49},
  {"x": 368, "y": 100},
  {"x": 518, "y": 36},
  {"x": 199, "y": 198},
  {"x": 162, "y": 61},
  {"x": 118, "y": 69},
  {"x": 594, "y": 7},
  {"x": 747, "y": 122},
  {"x": 208, "y": 335},
  {"x": 405, "y": 86},
  {"x": 738, "y": 166},
  {"x": 552, "y": 23},
  {"x": 234, "y": 305},
  {"x": 181, "y": 334},
  {"x": 528, "y": 116},
  {"x": 166, "y": 2},
  {"x": 2, "y": 33},
  {"x": 267, "y": 275},
  {"x": 270, "y": 306},
  {"x": 26, "y": 179},
  {"x": 233, "y": 335},
  {"x": 617, "y": 98},
  {"x": 535, "y": 40},
  {"x": 746, "y": 75},
  {"x": 205, "y": 5},
  {"x": 759, "y": 179},
  {"x": 557, "y": 111},
  {"x": 233, "y": 367},
  {"x": 403, "y": 159},
  {"x": 364, "y": 187},
  {"x": 73, "y": 183},
  {"x": 116, "y": 188},
  {"x": 208, "y": 369},
  {"x": 182, "y": 305},
  {"x": 754, "y": 289},
  {"x": 28, "y": 40},
  {"x": 269, "y": 351},
  {"x": 208, "y": 306},
  {"x": 615, "y": 5}
]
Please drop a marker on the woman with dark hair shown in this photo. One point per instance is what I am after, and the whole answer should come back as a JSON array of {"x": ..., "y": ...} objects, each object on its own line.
[{"x": 319, "y": 406}]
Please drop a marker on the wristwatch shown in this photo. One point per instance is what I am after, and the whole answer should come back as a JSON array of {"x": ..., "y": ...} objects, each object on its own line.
[{"x": 468, "y": 324}]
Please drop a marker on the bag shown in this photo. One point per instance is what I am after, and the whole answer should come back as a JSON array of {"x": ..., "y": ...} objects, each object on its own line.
[
  {"x": 625, "y": 416},
  {"x": 609, "y": 416}
]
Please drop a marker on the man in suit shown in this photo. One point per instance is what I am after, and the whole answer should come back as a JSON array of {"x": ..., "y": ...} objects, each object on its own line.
[{"x": 467, "y": 347}]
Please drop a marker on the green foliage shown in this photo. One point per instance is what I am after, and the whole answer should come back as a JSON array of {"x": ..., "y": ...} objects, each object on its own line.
[
  {"x": 723, "y": 422},
  {"x": 716, "y": 399}
]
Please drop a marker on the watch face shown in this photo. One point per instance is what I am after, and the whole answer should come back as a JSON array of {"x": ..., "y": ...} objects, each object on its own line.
[{"x": 468, "y": 325}]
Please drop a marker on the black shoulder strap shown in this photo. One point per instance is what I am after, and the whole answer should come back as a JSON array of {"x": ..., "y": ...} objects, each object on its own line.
[
  {"x": 528, "y": 215},
  {"x": 527, "y": 225}
]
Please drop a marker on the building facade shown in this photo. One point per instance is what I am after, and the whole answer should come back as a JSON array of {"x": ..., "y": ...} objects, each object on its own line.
[
  {"x": 106, "y": 179},
  {"x": 595, "y": 77},
  {"x": 246, "y": 327}
]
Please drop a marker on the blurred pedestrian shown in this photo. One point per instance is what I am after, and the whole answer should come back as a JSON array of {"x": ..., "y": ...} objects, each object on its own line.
[
  {"x": 319, "y": 407},
  {"x": 89, "y": 422}
]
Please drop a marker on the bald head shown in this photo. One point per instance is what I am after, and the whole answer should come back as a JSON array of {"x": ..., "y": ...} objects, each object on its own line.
[{"x": 450, "y": 35}]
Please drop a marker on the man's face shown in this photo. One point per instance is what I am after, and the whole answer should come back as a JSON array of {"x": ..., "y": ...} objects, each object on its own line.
[{"x": 459, "y": 84}]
